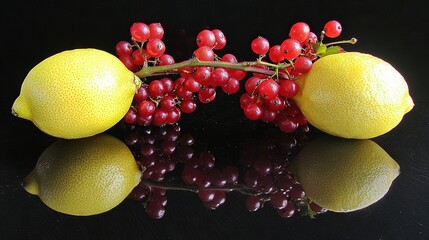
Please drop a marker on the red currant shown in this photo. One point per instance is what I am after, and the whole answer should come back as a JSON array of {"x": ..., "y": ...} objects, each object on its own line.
[
  {"x": 291, "y": 48},
  {"x": 220, "y": 39},
  {"x": 167, "y": 103},
  {"x": 142, "y": 94},
  {"x": 275, "y": 54},
  {"x": 204, "y": 53},
  {"x": 127, "y": 60},
  {"x": 168, "y": 84},
  {"x": 188, "y": 105},
  {"x": 155, "y": 48},
  {"x": 156, "y": 31},
  {"x": 260, "y": 45},
  {"x": 302, "y": 64},
  {"x": 123, "y": 48},
  {"x": 206, "y": 38},
  {"x": 166, "y": 59},
  {"x": 253, "y": 111},
  {"x": 219, "y": 77},
  {"x": 268, "y": 89},
  {"x": 232, "y": 86},
  {"x": 299, "y": 31},
  {"x": 156, "y": 88},
  {"x": 191, "y": 85},
  {"x": 140, "y": 32},
  {"x": 332, "y": 29},
  {"x": 131, "y": 116},
  {"x": 288, "y": 88},
  {"x": 146, "y": 108},
  {"x": 252, "y": 84}
]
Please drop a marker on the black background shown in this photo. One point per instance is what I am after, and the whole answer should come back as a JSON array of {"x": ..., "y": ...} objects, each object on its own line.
[{"x": 393, "y": 30}]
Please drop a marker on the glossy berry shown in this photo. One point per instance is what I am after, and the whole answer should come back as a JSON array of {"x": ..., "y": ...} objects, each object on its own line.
[
  {"x": 131, "y": 116},
  {"x": 275, "y": 54},
  {"x": 252, "y": 84},
  {"x": 138, "y": 56},
  {"x": 156, "y": 31},
  {"x": 332, "y": 29},
  {"x": 288, "y": 88},
  {"x": 291, "y": 48},
  {"x": 156, "y": 88},
  {"x": 127, "y": 60},
  {"x": 253, "y": 111},
  {"x": 141, "y": 94},
  {"x": 166, "y": 59},
  {"x": 155, "y": 48},
  {"x": 299, "y": 31},
  {"x": 140, "y": 32},
  {"x": 167, "y": 84},
  {"x": 123, "y": 48},
  {"x": 204, "y": 53},
  {"x": 312, "y": 38},
  {"x": 167, "y": 103},
  {"x": 232, "y": 86},
  {"x": 302, "y": 64},
  {"x": 268, "y": 89},
  {"x": 260, "y": 45},
  {"x": 188, "y": 106},
  {"x": 146, "y": 108},
  {"x": 220, "y": 39},
  {"x": 219, "y": 77},
  {"x": 206, "y": 38}
]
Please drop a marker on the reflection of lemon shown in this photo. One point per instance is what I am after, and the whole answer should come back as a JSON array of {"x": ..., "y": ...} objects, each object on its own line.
[
  {"x": 77, "y": 93},
  {"x": 353, "y": 95},
  {"x": 344, "y": 175},
  {"x": 85, "y": 176}
]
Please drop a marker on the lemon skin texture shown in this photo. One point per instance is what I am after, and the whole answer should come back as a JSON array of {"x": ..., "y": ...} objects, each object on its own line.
[
  {"x": 353, "y": 95},
  {"x": 76, "y": 93},
  {"x": 85, "y": 176},
  {"x": 344, "y": 175}
]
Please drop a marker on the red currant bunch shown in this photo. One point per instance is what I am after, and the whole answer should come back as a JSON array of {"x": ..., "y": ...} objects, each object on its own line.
[{"x": 269, "y": 91}]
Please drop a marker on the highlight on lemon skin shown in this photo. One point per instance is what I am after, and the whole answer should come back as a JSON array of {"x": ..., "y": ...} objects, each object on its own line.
[
  {"x": 353, "y": 95},
  {"x": 85, "y": 176},
  {"x": 344, "y": 175},
  {"x": 76, "y": 93}
]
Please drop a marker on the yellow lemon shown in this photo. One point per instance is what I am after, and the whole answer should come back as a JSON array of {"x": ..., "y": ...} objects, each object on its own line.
[
  {"x": 353, "y": 95},
  {"x": 76, "y": 93},
  {"x": 84, "y": 176},
  {"x": 344, "y": 175}
]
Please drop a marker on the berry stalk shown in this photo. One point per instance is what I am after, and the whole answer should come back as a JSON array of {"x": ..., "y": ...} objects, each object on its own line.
[{"x": 195, "y": 62}]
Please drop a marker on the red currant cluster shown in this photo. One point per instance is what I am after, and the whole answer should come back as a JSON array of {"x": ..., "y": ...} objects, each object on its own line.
[
  {"x": 269, "y": 91},
  {"x": 266, "y": 172},
  {"x": 268, "y": 98},
  {"x": 171, "y": 162}
]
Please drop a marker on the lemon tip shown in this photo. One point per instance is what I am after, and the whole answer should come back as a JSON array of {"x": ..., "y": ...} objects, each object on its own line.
[{"x": 30, "y": 184}]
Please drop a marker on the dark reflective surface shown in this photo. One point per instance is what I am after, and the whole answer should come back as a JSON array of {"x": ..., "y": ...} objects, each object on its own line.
[
  {"x": 401, "y": 213},
  {"x": 38, "y": 29}
]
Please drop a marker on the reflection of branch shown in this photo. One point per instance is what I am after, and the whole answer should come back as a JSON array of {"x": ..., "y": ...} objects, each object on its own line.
[{"x": 182, "y": 187}]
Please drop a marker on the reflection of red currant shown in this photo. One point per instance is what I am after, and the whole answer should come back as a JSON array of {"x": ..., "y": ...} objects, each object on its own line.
[{"x": 170, "y": 162}]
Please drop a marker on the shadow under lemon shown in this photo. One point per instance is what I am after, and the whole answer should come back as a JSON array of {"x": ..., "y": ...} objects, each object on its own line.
[{"x": 344, "y": 175}]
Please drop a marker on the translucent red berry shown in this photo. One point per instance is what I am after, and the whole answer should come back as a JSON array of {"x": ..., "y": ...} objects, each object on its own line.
[
  {"x": 260, "y": 45},
  {"x": 332, "y": 29},
  {"x": 140, "y": 32}
]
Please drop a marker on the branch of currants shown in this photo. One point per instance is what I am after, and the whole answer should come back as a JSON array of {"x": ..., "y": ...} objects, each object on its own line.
[
  {"x": 195, "y": 62},
  {"x": 269, "y": 91}
]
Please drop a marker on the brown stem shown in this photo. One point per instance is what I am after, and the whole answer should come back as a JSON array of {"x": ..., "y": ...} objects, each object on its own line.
[
  {"x": 194, "y": 62},
  {"x": 192, "y": 188}
]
